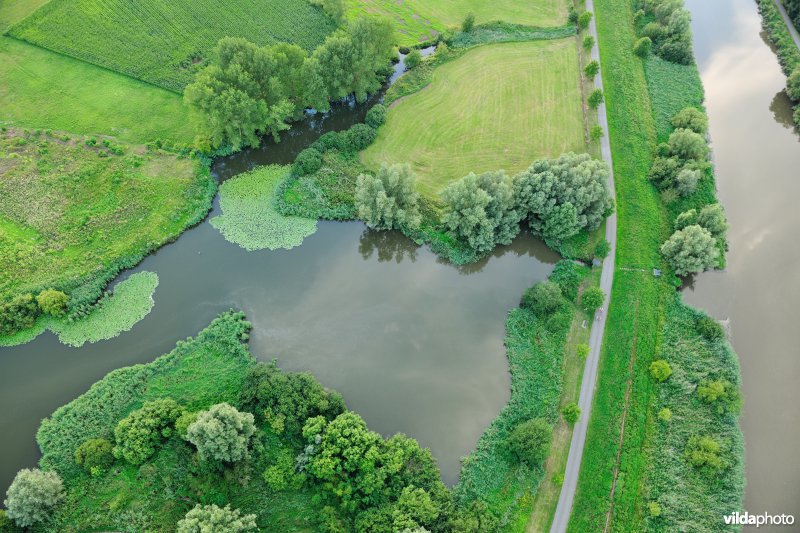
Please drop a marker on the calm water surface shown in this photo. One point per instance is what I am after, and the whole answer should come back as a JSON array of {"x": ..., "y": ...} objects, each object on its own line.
[
  {"x": 413, "y": 344},
  {"x": 757, "y": 156}
]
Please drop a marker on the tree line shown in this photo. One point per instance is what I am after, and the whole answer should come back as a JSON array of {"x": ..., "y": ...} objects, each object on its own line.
[
  {"x": 248, "y": 91},
  {"x": 665, "y": 28}
]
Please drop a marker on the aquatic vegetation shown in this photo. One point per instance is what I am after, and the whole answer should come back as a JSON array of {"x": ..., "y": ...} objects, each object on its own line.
[
  {"x": 249, "y": 218},
  {"x": 119, "y": 311}
]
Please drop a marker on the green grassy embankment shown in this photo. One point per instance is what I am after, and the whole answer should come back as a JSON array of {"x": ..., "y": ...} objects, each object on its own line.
[{"x": 165, "y": 43}]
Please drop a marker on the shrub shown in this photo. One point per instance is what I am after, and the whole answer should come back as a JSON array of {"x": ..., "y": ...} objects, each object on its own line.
[
  {"x": 571, "y": 412},
  {"x": 32, "y": 496},
  {"x": 222, "y": 433},
  {"x": 210, "y": 518},
  {"x": 572, "y": 17},
  {"x": 376, "y": 116},
  {"x": 582, "y": 350},
  {"x": 704, "y": 452},
  {"x": 543, "y": 298},
  {"x": 138, "y": 434},
  {"x": 530, "y": 441},
  {"x": 602, "y": 249},
  {"x": 18, "y": 314},
  {"x": 686, "y": 181},
  {"x": 389, "y": 199},
  {"x": 469, "y": 23},
  {"x": 567, "y": 274},
  {"x": 94, "y": 454},
  {"x": 328, "y": 141},
  {"x": 660, "y": 370},
  {"x": 307, "y": 162},
  {"x": 721, "y": 392},
  {"x": 690, "y": 250},
  {"x": 357, "y": 138},
  {"x": 643, "y": 47},
  {"x": 691, "y": 118},
  {"x": 654, "y": 509},
  {"x": 596, "y": 133},
  {"x": 665, "y": 414},
  {"x": 592, "y": 298},
  {"x": 413, "y": 59},
  {"x": 688, "y": 145},
  {"x": 584, "y": 19},
  {"x": 588, "y": 42},
  {"x": 793, "y": 84},
  {"x": 664, "y": 171},
  {"x": 709, "y": 328},
  {"x": 591, "y": 69},
  {"x": 52, "y": 302},
  {"x": 184, "y": 421},
  {"x": 595, "y": 98}
]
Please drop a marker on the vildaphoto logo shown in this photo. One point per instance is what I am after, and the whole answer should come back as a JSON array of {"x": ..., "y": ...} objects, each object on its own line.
[{"x": 763, "y": 519}]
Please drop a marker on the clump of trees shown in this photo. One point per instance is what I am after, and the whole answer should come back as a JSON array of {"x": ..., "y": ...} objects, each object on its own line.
[
  {"x": 208, "y": 518},
  {"x": 389, "y": 199},
  {"x": 222, "y": 433},
  {"x": 140, "y": 433},
  {"x": 481, "y": 210},
  {"x": 695, "y": 245},
  {"x": 670, "y": 31},
  {"x": 529, "y": 441},
  {"x": 285, "y": 400},
  {"x": 32, "y": 496},
  {"x": 561, "y": 197},
  {"x": 18, "y": 314},
  {"x": 248, "y": 91},
  {"x": 387, "y": 485}
]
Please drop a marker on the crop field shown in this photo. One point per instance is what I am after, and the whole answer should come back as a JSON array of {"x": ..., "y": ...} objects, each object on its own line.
[
  {"x": 73, "y": 212},
  {"x": 165, "y": 42},
  {"x": 421, "y": 20},
  {"x": 498, "y": 106},
  {"x": 42, "y": 89}
]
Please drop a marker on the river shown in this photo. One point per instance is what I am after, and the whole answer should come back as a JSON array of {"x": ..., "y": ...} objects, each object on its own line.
[
  {"x": 413, "y": 344},
  {"x": 757, "y": 157}
]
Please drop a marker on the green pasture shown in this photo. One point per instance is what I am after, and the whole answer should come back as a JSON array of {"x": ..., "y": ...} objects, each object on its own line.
[
  {"x": 422, "y": 20},
  {"x": 497, "y": 106}
]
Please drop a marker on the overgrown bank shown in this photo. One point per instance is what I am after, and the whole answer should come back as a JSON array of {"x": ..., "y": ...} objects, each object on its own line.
[
  {"x": 787, "y": 49},
  {"x": 620, "y": 464}
]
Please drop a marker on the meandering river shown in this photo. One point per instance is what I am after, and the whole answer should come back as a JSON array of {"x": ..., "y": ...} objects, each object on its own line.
[
  {"x": 414, "y": 345},
  {"x": 757, "y": 156}
]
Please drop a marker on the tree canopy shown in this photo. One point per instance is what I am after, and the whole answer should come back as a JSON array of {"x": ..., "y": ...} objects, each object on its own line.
[
  {"x": 32, "y": 496},
  {"x": 213, "y": 519},
  {"x": 222, "y": 433},
  {"x": 690, "y": 250},
  {"x": 389, "y": 199}
]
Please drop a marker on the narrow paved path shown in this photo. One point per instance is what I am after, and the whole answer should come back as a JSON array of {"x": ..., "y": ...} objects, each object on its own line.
[
  {"x": 565, "y": 499},
  {"x": 788, "y": 22}
]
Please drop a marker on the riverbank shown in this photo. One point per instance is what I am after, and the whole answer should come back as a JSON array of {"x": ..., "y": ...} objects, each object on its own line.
[
  {"x": 613, "y": 488},
  {"x": 784, "y": 37}
]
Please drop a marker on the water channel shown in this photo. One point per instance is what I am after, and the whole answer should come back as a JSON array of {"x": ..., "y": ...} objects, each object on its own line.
[
  {"x": 757, "y": 156},
  {"x": 413, "y": 344}
]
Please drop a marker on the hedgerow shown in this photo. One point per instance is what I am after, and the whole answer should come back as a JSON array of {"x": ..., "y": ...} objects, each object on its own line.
[{"x": 249, "y": 218}]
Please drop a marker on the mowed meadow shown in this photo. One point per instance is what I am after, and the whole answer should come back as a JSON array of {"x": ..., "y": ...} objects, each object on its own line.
[
  {"x": 164, "y": 43},
  {"x": 422, "y": 20},
  {"x": 499, "y": 106}
]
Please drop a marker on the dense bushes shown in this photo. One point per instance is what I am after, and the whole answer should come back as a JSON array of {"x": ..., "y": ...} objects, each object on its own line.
[
  {"x": 18, "y": 314},
  {"x": 138, "y": 435},
  {"x": 389, "y": 199},
  {"x": 376, "y": 116},
  {"x": 32, "y": 496},
  {"x": 94, "y": 455},
  {"x": 307, "y": 161},
  {"x": 52, "y": 302},
  {"x": 285, "y": 400},
  {"x": 669, "y": 31},
  {"x": 248, "y": 91}
]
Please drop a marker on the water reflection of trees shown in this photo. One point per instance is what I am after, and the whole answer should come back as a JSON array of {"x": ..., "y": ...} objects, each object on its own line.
[
  {"x": 782, "y": 111},
  {"x": 389, "y": 245}
]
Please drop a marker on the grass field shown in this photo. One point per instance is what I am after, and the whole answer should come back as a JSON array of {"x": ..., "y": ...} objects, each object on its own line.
[
  {"x": 496, "y": 106},
  {"x": 71, "y": 213},
  {"x": 42, "y": 89},
  {"x": 422, "y": 20},
  {"x": 12, "y": 11},
  {"x": 164, "y": 42}
]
